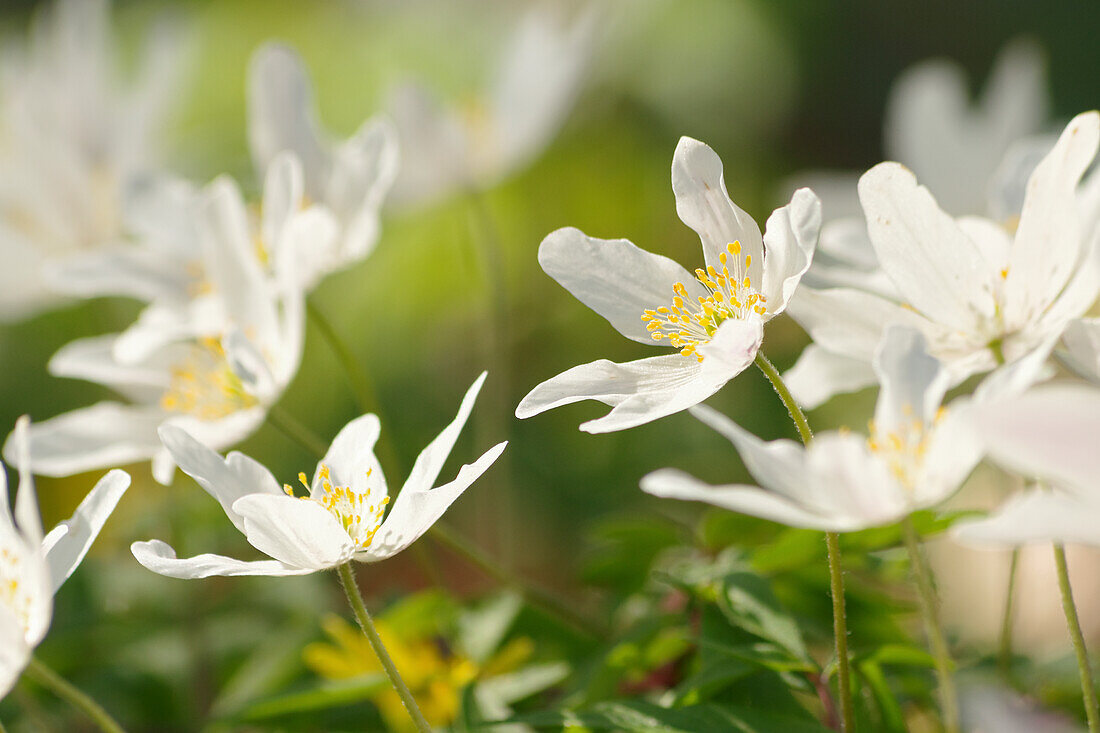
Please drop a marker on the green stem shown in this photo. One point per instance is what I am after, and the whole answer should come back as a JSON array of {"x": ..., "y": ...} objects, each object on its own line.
[
  {"x": 298, "y": 433},
  {"x": 58, "y": 685},
  {"x": 832, "y": 545},
  {"x": 1088, "y": 688},
  {"x": 358, "y": 377},
  {"x": 1004, "y": 655},
  {"x": 447, "y": 536},
  {"x": 929, "y": 606},
  {"x": 534, "y": 595},
  {"x": 347, "y": 579},
  {"x": 785, "y": 397}
]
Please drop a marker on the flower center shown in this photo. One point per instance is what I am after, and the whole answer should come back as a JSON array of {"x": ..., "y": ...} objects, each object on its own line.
[
  {"x": 13, "y": 593},
  {"x": 205, "y": 386},
  {"x": 357, "y": 514},
  {"x": 687, "y": 324},
  {"x": 903, "y": 449}
]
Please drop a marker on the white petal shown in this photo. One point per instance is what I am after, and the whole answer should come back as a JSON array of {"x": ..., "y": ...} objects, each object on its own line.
[
  {"x": 282, "y": 194},
  {"x": 1013, "y": 378},
  {"x": 847, "y": 480},
  {"x": 93, "y": 359},
  {"x": 1044, "y": 515},
  {"x": 249, "y": 364},
  {"x": 934, "y": 265},
  {"x": 352, "y": 462},
  {"x": 225, "y": 479},
  {"x": 1076, "y": 299},
  {"x": 14, "y": 650},
  {"x": 672, "y": 484},
  {"x": 1049, "y": 240},
  {"x": 1046, "y": 432},
  {"x": 614, "y": 277},
  {"x": 101, "y": 436},
  {"x": 136, "y": 272},
  {"x": 1082, "y": 340},
  {"x": 913, "y": 382},
  {"x": 416, "y": 510},
  {"x": 819, "y": 374},
  {"x": 364, "y": 169},
  {"x": 789, "y": 240},
  {"x": 281, "y": 114},
  {"x": 161, "y": 559},
  {"x": 68, "y": 542},
  {"x": 232, "y": 262},
  {"x": 778, "y": 464},
  {"x": 704, "y": 205},
  {"x": 647, "y": 389},
  {"x": 954, "y": 146},
  {"x": 952, "y": 451},
  {"x": 296, "y": 531},
  {"x": 430, "y": 460},
  {"x": 537, "y": 80},
  {"x": 850, "y": 322},
  {"x": 26, "y": 514},
  {"x": 435, "y": 147}
]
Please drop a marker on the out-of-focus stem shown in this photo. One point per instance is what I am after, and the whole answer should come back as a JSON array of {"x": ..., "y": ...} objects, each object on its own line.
[
  {"x": 1088, "y": 688},
  {"x": 1004, "y": 655},
  {"x": 832, "y": 545},
  {"x": 929, "y": 606},
  {"x": 61, "y": 687}
]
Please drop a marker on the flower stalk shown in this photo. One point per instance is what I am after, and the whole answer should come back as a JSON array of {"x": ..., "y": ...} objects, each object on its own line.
[
  {"x": 1073, "y": 624},
  {"x": 929, "y": 606},
  {"x": 351, "y": 589},
  {"x": 65, "y": 690},
  {"x": 1004, "y": 654},
  {"x": 832, "y": 545}
]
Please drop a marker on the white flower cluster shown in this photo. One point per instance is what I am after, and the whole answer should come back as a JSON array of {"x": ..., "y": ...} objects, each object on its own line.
[{"x": 88, "y": 209}]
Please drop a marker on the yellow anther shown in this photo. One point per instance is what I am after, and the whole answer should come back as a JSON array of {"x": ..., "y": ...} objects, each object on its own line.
[
  {"x": 748, "y": 260},
  {"x": 734, "y": 247}
]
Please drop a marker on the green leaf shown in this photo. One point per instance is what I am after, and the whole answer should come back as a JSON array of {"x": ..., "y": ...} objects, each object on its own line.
[
  {"x": 643, "y": 717},
  {"x": 900, "y": 654},
  {"x": 763, "y": 655},
  {"x": 748, "y": 602},
  {"x": 480, "y": 630},
  {"x": 329, "y": 695},
  {"x": 794, "y": 548},
  {"x": 892, "y": 719}
]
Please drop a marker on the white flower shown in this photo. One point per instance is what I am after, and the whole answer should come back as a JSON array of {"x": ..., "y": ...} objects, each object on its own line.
[
  {"x": 350, "y": 178},
  {"x": 977, "y": 291},
  {"x": 1082, "y": 352},
  {"x": 218, "y": 386},
  {"x": 714, "y": 319},
  {"x": 73, "y": 137},
  {"x": 33, "y": 567},
  {"x": 915, "y": 457},
  {"x": 341, "y": 518},
  {"x": 190, "y": 255},
  {"x": 537, "y": 80}
]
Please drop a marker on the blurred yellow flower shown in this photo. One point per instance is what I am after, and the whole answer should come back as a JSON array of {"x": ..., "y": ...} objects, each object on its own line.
[{"x": 435, "y": 672}]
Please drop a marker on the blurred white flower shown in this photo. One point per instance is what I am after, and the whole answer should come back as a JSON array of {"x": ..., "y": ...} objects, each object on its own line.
[
  {"x": 33, "y": 567},
  {"x": 536, "y": 81},
  {"x": 212, "y": 366},
  {"x": 73, "y": 137},
  {"x": 350, "y": 178},
  {"x": 341, "y": 518},
  {"x": 714, "y": 319},
  {"x": 979, "y": 292},
  {"x": 967, "y": 153},
  {"x": 917, "y": 454},
  {"x": 193, "y": 250},
  {"x": 1043, "y": 514},
  {"x": 1082, "y": 353}
]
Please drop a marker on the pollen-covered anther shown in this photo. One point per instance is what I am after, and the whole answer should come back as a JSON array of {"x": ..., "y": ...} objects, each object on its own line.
[
  {"x": 357, "y": 514},
  {"x": 205, "y": 386},
  {"x": 688, "y": 324},
  {"x": 904, "y": 449}
]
